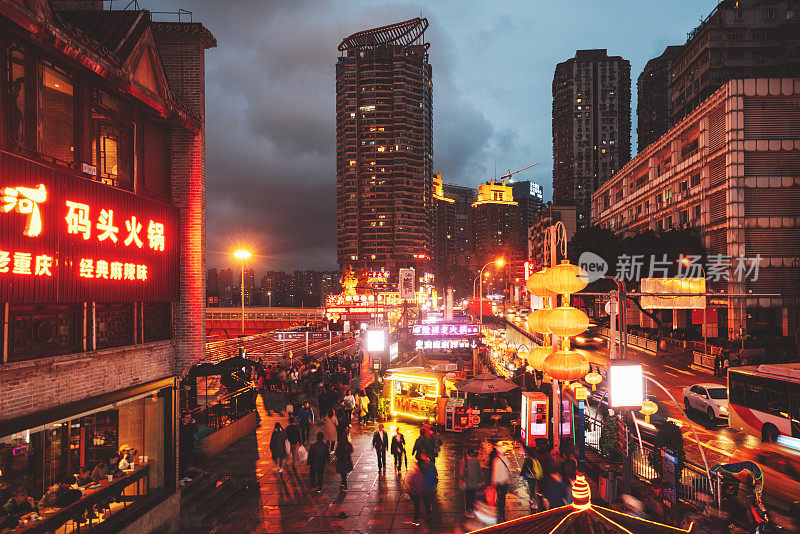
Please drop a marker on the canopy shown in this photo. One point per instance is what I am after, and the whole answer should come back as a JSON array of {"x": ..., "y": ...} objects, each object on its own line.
[{"x": 485, "y": 383}]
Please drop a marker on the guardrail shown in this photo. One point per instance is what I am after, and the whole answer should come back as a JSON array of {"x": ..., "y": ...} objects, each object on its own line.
[
  {"x": 227, "y": 409},
  {"x": 704, "y": 360},
  {"x": 693, "y": 480}
]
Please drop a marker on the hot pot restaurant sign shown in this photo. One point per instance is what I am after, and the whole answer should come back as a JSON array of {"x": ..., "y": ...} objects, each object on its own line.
[{"x": 68, "y": 239}]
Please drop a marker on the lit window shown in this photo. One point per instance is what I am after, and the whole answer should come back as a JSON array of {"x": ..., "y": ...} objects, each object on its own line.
[{"x": 56, "y": 112}]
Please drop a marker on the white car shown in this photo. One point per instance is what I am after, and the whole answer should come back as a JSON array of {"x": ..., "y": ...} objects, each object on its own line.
[{"x": 711, "y": 399}]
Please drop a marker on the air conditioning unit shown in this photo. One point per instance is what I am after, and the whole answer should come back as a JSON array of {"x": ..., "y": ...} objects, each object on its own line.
[{"x": 446, "y": 367}]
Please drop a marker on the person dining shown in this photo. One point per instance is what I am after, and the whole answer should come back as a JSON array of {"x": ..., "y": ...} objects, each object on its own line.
[
  {"x": 109, "y": 466},
  {"x": 20, "y": 505},
  {"x": 126, "y": 455},
  {"x": 60, "y": 494}
]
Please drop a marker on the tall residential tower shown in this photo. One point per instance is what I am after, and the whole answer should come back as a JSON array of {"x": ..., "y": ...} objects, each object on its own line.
[
  {"x": 591, "y": 125},
  {"x": 384, "y": 151}
]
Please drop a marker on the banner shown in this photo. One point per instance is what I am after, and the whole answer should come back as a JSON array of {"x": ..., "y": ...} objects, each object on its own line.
[{"x": 406, "y": 283}]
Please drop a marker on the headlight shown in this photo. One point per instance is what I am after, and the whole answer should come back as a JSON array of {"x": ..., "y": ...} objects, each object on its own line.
[
  {"x": 580, "y": 339},
  {"x": 598, "y": 339},
  {"x": 723, "y": 409}
]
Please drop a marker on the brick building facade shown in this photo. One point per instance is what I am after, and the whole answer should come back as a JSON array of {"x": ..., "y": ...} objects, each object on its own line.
[{"x": 102, "y": 171}]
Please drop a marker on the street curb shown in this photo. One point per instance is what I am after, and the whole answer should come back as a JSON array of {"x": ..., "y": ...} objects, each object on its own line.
[{"x": 701, "y": 369}]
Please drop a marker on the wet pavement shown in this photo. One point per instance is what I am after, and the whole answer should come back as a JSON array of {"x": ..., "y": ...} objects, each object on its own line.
[{"x": 373, "y": 503}]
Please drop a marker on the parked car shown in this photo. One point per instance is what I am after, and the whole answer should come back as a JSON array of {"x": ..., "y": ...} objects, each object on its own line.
[
  {"x": 711, "y": 399},
  {"x": 781, "y": 468}
]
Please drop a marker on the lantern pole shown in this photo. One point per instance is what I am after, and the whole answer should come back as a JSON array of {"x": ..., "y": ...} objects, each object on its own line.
[{"x": 557, "y": 234}]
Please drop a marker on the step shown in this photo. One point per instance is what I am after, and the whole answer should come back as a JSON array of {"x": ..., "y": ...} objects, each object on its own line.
[
  {"x": 196, "y": 486},
  {"x": 233, "y": 497},
  {"x": 202, "y": 498}
]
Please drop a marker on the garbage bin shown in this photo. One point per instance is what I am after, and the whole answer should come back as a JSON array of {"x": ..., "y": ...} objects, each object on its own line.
[{"x": 608, "y": 486}]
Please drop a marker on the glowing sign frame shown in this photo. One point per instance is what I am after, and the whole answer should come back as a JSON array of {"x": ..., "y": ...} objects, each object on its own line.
[
  {"x": 80, "y": 220},
  {"x": 400, "y": 377}
]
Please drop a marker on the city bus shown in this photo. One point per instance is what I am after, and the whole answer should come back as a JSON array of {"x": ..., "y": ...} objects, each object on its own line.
[{"x": 764, "y": 400}]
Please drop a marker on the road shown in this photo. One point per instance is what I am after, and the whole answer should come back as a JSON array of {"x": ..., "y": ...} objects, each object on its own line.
[{"x": 673, "y": 371}]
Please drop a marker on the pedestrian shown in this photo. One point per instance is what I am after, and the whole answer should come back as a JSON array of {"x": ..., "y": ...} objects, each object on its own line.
[
  {"x": 532, "y": 473},
  {"x": 422, "y": 486},
  {"x": 344, "y": 456},
  {"x": 294, "y": 435},
  {"x": 501, "y": 478},
  {"x": 317, "y": 460},
  {"x": 422, "y": 445},
  {"x": 380, "y": 442},
  {"x": 471, "y": 476},
  {"x": 330, "y": 427},
  {"x": 398, "y": 449},
  {"x": 718, "y": 363},
  {"x": 186, "y": 445},
  {"x": 357, "y": 407},
  {"x": 277, "y": 446},
  {"x": 306, "y": 415},
  {"x": 364, "y": 407},
  {"x": 350, "y": 400},
  {"x": 555, "y": 490}
]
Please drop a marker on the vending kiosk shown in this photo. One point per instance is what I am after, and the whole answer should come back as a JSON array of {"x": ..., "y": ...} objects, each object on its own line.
[{"x": 535, "y": 415}]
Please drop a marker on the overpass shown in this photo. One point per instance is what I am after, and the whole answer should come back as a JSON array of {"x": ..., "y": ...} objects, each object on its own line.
[{"x": 226, "y": 323}]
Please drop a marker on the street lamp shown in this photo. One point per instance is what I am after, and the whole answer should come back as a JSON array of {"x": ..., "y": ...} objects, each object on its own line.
[
  {"x": 242, "y": 255},
  {"x": 685, "y": 261},
  {"x": 269, "y": 296},
  {"x": 499, "y": 262}
]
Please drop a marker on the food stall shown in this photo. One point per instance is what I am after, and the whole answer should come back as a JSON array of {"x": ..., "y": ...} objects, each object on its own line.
[{"x": 416, "y": 393}]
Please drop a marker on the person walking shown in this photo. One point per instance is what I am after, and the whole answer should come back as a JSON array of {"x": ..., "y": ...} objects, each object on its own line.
[
  {"x": 344, "y": 456},
  {"x": 532, "y": 473},
  {"x": 501, "y": 478},
  {"x": 357, "y": 407},
  {"x": 555, "y": 490},
  {"x": 422, "y": 446},
  {"x": 330, "y": 427},
  {"x": 277, "y": 446},
  {"x": 398, "y": 449},
  {"x": 317, "y": 460},
  {"x": 294, "y": 435},
  {"x": 471, "y": 475},
  {"x": 306, "y": 415},
  {"x": 364, "y": 408},
  {"x": 380, "y": 442},
  {"x": 421, "y": 486}
]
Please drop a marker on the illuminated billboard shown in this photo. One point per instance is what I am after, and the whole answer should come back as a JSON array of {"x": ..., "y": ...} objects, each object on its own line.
[
  {"x": 444, "y": 330},
  {"x": 376, "y": 340},
  {"x": 68, "y": 239},
  {"x": 625, "y": 385},
  {"x": 693, "y": 288}
]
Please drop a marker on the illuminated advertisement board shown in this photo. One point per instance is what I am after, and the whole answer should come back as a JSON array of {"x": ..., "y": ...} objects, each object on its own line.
[
  {"x": 68, "y": 239},
  {"x": 444, "y": 330}
]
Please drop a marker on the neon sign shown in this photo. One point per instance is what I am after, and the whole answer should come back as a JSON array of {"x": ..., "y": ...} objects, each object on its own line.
[
  {"x": 64, "y": 238},
  {"x": 445, "y": 329}
]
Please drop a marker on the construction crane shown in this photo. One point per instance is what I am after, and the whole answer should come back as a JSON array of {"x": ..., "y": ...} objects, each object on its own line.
[{"x": 510, "y": 174}]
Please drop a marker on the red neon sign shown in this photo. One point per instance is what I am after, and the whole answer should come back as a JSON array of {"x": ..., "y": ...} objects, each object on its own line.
[{"x": 67, "y": 239}]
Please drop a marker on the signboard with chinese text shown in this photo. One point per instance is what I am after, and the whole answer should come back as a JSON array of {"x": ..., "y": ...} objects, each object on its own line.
[
  {"x": 68, "y": 239},
  {"x": 406, "y": 284},
  {"x": 444, "y": 330}
]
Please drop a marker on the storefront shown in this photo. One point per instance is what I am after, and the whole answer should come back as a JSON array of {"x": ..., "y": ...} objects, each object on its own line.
[
  {"x": 415, "y": 393},
  {"x": 37, "y": 451}
]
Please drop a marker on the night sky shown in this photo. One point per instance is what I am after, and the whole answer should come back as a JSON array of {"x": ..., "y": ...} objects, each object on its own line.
[{"x": 270, "y": 101}]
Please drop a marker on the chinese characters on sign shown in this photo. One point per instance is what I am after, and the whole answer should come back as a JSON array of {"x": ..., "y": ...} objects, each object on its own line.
[
  {"x": 445, "y": 344},
  {"x": 445, "y": 329},
  {"x": 67, "y": 239},
  {"x": 79, "y": 222}
]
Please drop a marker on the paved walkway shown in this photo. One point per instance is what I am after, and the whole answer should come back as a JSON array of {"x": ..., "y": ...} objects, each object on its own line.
[{"x": 373, "y": 503}]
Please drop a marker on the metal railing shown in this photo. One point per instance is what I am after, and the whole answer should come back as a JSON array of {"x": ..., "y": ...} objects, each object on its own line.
[
  {"x": 693, "y": 480},
  {"x": 227, "y": 409}
]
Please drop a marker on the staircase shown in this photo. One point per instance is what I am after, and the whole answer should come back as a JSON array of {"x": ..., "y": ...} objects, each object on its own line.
[{"x": 209, "y": 498}]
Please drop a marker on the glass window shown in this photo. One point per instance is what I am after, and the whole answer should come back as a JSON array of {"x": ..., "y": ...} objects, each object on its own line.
[
  {"x": 718, "y": 393},
  {"x": 16, "y": 88},
  {"x": 131, "y": 430},
  {"x": 56, "y": 115},
  {"x": 111, "y": 150}
]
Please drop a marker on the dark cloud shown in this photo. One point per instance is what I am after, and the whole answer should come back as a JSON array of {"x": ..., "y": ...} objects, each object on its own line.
[{"x": 271, "y": 176}]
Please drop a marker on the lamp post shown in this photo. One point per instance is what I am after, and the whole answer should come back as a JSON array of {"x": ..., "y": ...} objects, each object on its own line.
[
  {"x": 269, "y": 297},
  {"x": 499, "y": 262},
  {"x": 685, "y": 261},
  {"x": 242, "y": 255}
]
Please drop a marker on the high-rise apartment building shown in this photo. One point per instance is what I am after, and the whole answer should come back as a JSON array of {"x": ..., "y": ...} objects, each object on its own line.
[
  {"x": 739, "y": 39},
  {"x": 591, "y": 125},
  {"x": 529, "y": 196},
  {"x": 494, "y": 222},
  {"x": 226, "y": 287},
  {"x": 654, "y": 102},
  {"x": 384, "y": 151},
  {"x": 249, "y": 286},
  {"x": 212, "y": 288}
]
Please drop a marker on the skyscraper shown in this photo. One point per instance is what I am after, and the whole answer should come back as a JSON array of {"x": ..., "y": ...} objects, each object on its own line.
[
  {"x": 494, "y": 220},
  {"x": 528, "y": 195},
  {"x": 654, "y": 103},
  {"x": 742, "y": 39},
  {"x": 384, "y": 152},
  {"x": 591, "y": 125}
]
